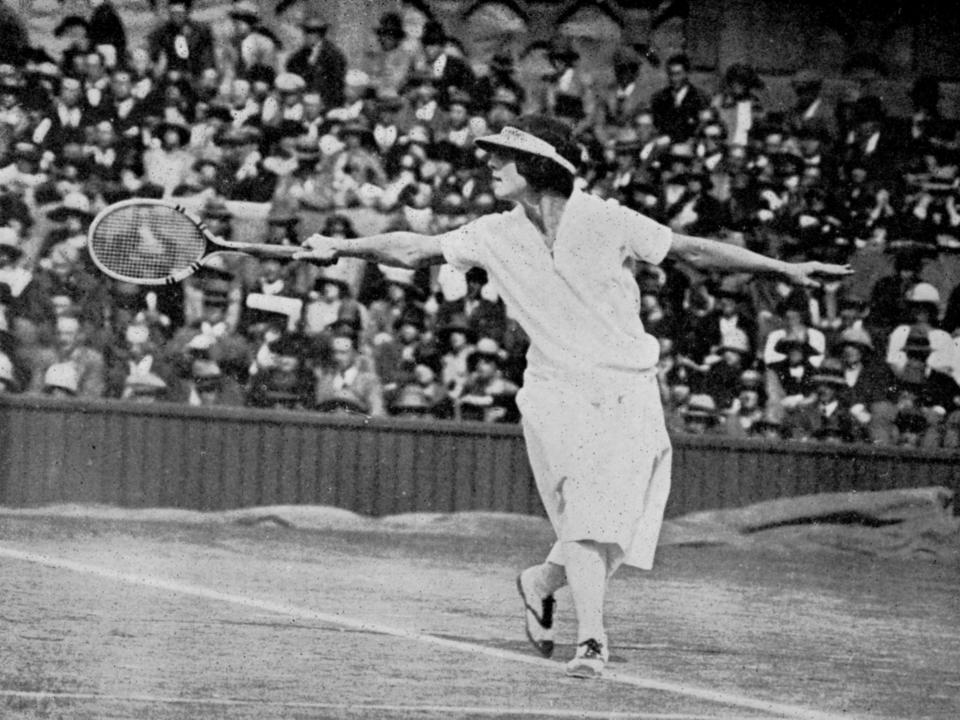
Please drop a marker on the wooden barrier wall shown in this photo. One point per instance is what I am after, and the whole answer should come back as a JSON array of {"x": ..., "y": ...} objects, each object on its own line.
[{"x": 57, "y": 451}]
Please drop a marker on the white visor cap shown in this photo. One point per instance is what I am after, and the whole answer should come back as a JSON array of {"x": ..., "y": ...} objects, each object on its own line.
[{"x": 512, "y": 138}]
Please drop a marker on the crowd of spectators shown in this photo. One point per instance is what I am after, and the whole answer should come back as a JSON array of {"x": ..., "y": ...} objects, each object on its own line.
[{"x": 236, "y": 116}]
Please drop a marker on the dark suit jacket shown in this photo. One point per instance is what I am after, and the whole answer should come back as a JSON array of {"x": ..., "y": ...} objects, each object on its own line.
[
  {"x": 679, "y": 122},
  {"x": 325, "y": 74}
]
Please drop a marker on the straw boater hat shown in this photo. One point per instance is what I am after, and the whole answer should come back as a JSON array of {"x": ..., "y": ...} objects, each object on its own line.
[
  {"x": 858, "y": 337},
  {"x": 830, "y": 373},
  {"x": 539, "y": 136}
]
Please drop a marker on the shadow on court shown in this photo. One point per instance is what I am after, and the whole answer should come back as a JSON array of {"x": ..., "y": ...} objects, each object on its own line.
[{"x": 157, "y": 620}]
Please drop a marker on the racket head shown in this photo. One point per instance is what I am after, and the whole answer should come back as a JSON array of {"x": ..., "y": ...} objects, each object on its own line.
[{"x": 147, "y": 242}]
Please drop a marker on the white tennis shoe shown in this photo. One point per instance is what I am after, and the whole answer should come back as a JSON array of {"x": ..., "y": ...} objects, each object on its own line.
[
  {"x": 538, "y": 618},
  {"x": 592, "y": 656}
]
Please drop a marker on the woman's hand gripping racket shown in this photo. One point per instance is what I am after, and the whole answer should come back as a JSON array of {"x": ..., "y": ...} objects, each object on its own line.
[{"x": 153, "y": 242}]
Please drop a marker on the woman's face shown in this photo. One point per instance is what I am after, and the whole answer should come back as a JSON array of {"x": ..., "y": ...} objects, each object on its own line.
[{"x": 508, "y": 183}]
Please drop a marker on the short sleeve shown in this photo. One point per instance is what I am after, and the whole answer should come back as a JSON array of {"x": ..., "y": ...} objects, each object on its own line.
[
  {"x": 646, "y": 239},
  {"x": 467, "y": 246}
]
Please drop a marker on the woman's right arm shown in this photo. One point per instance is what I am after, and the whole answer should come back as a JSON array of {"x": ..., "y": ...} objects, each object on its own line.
[{"x": 399, "y": 249}]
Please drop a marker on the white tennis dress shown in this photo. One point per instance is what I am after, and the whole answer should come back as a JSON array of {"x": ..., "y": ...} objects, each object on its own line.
[{"x": 592, "y": 416}]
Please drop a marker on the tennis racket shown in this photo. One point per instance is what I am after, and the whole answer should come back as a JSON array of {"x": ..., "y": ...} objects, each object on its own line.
[{"x": 154, "y": 242}]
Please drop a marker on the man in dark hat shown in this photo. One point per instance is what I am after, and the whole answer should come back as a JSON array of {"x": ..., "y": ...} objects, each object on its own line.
[
  {"x": 447, "y": 70},
  {"x": 486, "y": 317},
  {"x": 570, "y": 93},
  {"x": 635, "y": 70},
  {"x": 389, "y": 64},
  {"x": 501, "y": 73},
  {"x": 592, "y": 412},
  {"x": 181, "y": 43},
  {"x": 320, "y": 62},
  {"x": 676, "y": 108},
  {"x": 287, "y": 382},
  {"x": 811, "y": 111}
]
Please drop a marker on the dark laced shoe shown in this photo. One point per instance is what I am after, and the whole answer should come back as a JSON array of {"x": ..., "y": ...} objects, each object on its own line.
[
  {"x": 591, "y": 657},
  {"x": 538, "y": 618}
]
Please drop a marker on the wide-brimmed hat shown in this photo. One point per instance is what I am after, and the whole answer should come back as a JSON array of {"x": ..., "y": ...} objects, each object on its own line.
[
  {"x": 785, "y": 345},
  {"x": 857, "y": 337},
  {"x": 924, "y": 293},
  {"x": 830, "y": 372},
  {"x": 139, "y": 382},
  {"x": 288, "y": 82},
  {"x": 62, "y": 376},
  {"x": 456, "y": 324},
  {"x": 315, "y": 21},
  {"x": 245, "y": 10},
  {"x": 342, "y": 402},
  {"x": 701, "y": 406},
  {"x": 486, "y": 349},
  {"x": 74, "y": 204},
  {"x": 516, "y": 140},
  {"x": 411, "y": 400},
  {"x": 391, "y": 25}
]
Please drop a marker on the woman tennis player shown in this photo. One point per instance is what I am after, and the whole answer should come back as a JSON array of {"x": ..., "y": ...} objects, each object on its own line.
[{"x": 592, "y": 416}]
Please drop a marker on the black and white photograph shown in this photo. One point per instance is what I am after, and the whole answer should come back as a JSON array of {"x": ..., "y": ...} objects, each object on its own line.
[{"x": 465, "y": 359}]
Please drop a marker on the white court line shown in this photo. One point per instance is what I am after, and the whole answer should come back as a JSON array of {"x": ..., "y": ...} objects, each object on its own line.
[
  {"x": 444, "y": 710},
  {"x": 708, "y": 694}
]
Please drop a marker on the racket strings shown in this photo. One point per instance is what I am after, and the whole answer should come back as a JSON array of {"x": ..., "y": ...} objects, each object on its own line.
[{"x": 147, "y": 242}]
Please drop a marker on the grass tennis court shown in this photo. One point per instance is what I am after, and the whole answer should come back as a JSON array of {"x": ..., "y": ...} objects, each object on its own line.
[{"x": 112, "y": 618}]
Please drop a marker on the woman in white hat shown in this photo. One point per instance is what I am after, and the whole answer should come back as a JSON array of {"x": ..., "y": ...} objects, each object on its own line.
[{"x": 592, "y": 415}]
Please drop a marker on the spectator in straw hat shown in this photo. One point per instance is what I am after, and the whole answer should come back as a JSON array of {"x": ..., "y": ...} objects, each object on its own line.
[
  {"x": 788, "y": 381},
  {"x": 924, "y": 307},
  {"x": 320, "y": 62},
  {"x": 700, "y": 415},
  {"x": 721, "y": 380},
  {"x": 72, "y": 217},
  {"x": 60, "y": 381},
  {"x": 347, "y": 382},
  {"x": 829, "y": 417},
  {"x": 935, "y": 393},
  {"x": 487, "y": 396},
  {"x": 747, "y": 409},
  {"x": 252, "y": 43},
  {"x": 869, "y": 385},
  {"x": 423, "y": 392},
  {"x": 144, "y": 387},
  {"x": 68, "y": 348}
]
